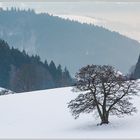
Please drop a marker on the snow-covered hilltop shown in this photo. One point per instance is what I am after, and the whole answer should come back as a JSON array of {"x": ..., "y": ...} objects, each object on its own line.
[{"x": 44, "y": 114}]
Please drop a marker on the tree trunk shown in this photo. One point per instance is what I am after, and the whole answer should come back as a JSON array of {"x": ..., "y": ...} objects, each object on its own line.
[{"x": 104, "y": 119}]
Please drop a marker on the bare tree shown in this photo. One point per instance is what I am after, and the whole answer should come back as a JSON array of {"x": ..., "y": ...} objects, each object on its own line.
[{"x": 105, "y": 90}]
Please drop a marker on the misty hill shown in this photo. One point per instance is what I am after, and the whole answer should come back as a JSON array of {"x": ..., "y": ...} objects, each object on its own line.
[
  {"x": 21, "y": 72},
  {"x": 67, "y": 42}
]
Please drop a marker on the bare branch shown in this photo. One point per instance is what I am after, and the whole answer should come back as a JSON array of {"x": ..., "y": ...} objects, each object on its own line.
[{"x": 107, "y": 92}]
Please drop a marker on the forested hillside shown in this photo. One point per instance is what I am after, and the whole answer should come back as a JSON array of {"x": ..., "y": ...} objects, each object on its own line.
[
  {"x": 68, "y": 43},
  {"x": 21, "y": 72}
]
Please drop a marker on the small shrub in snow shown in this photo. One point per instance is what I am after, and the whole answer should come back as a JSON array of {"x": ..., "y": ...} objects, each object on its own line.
[{"x": 5, "y": 92}]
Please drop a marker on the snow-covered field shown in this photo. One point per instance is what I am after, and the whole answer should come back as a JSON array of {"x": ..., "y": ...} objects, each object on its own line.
[{"x": 44, "y": 114}]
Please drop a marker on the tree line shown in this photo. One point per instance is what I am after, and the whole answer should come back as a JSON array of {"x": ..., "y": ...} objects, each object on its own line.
[{"x": 21, "y": 72}]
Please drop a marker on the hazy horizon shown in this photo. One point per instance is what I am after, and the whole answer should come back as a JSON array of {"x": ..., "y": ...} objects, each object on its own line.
[{"x": 122, "y": 17}]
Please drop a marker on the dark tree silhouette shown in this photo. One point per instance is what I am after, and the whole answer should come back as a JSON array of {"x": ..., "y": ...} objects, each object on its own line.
[
  {"x": 135, "y": 74},
  {"x": 107, "y": 92}
]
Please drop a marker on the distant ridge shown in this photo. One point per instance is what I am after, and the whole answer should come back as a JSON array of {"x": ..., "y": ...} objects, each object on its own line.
[{"x": 69, "y": 43}]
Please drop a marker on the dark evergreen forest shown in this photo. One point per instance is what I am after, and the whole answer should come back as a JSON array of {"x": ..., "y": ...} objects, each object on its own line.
[{"x": 21, "y": 72}]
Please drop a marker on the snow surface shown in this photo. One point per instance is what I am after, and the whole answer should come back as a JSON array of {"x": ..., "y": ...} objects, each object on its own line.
[
  {"x": 1, "y": 89},
  {"x": 7, "y": 91},
  {"x": 44, "y": 114}
]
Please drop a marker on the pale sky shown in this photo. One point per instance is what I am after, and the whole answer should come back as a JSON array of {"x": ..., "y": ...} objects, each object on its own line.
[{"x": 123, "y": 17}]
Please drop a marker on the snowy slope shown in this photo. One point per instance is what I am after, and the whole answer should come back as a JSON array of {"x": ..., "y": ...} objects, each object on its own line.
[{"x": 44, "y": 114}]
